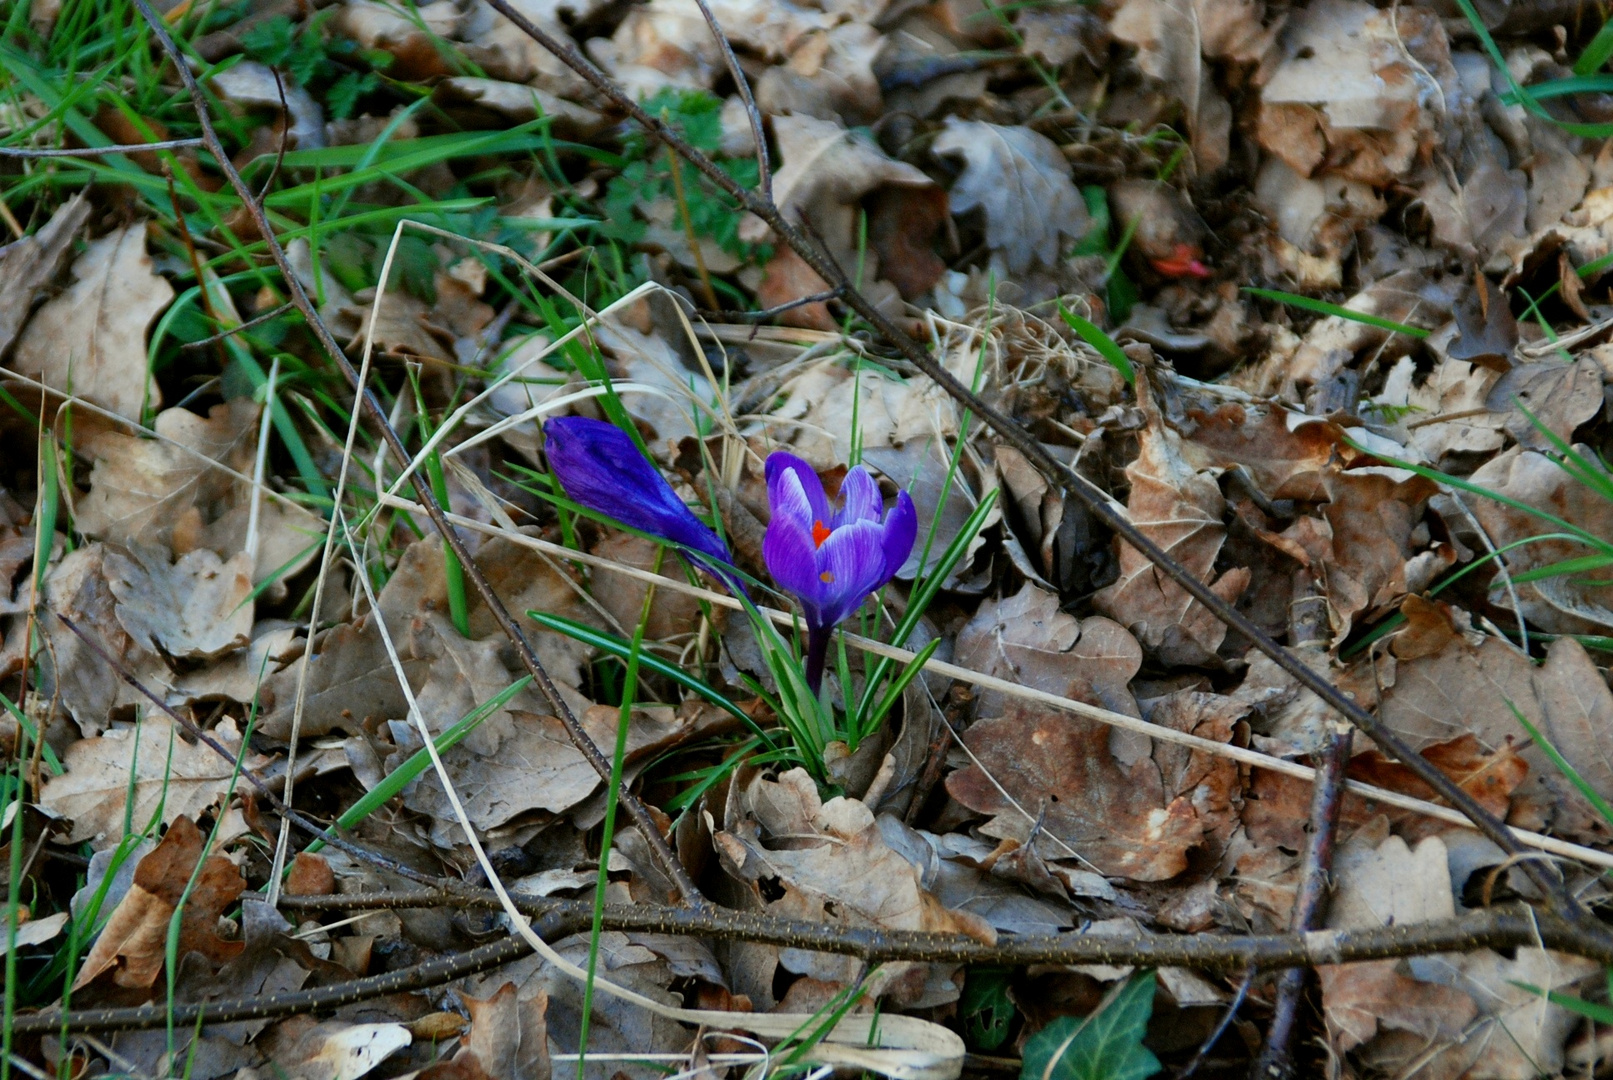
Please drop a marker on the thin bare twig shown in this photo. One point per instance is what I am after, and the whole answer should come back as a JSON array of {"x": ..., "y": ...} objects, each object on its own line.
[
  {"x": 777, "y": 309},
  {"x": 660, "y": 849},
  {"x": 1276, "y": 1060},
  {"x": 764, "y": 172},
  {"x": 256, "y": 320},
  {"x": 1546, "y": 878},
  {"x": 1220, "y": 1029},
  {"x": 96, "y": 151}
]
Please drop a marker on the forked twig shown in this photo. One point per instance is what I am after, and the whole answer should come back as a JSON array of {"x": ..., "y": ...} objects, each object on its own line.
[
  {"x": 367, "y": 402},
  {"x": 1546, "y": 878}
]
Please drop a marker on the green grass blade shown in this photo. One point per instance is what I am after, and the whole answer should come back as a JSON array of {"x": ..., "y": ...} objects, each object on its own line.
[
  {"x": 1596, "y": 53},
  {"x": 1322, "y": 307},
  {"x": 615, "y": 646},
  {"x": 1563, "y": 766},
  {"x": 395, "y": 781},
  {"x": 1591, "y": 1010},
  {"x": 1102, "y": 342}
]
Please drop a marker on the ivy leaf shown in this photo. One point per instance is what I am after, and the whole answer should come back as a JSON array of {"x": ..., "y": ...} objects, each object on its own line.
[{"x": 1105, "y": 1046}]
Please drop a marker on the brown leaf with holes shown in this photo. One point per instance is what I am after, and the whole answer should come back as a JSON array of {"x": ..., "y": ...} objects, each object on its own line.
[{"x": 131, "y": 950}]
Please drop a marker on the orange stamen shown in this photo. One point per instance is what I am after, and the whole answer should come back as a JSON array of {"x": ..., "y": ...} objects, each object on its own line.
[
  {"x": 820, "y": 533},
  {"x": 827, "y": 577}
]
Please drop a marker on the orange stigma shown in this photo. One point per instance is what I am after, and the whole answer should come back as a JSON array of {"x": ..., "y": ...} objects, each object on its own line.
[{"x": 820, "y": 533}]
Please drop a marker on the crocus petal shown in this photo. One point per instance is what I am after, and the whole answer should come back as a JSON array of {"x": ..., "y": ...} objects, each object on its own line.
[
  {"x": 780, "y": 464},
  {"x": 859, "y": 491},
  {"x": 792, "y": 559},
  {"x": 901, "y": 530},
  {"x": 853, "y": 559},
  {"x": 603, "y": 470}
]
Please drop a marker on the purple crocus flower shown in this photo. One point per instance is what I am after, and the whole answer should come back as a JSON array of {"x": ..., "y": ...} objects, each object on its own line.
[
  {"x": 831, "y": 560},
  {"x": 603, "y": 470}
]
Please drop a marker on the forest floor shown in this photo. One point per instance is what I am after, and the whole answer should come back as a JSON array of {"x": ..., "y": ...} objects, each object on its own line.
[{"x": 1240, "y": 709}]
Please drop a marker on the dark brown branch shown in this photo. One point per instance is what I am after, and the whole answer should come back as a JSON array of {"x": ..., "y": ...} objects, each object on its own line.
[
  {"x": 433, "y": 972},
  {"x": 1310, "y": 904},
  {"x": 96, "y": 151},
  {"x": 368, "y": 403},
  {"x": 1545, "y": 876},
  {"x": 1499, "y": 927}
]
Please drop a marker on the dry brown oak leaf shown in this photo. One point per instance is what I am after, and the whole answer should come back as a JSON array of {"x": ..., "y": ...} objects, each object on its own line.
[
  {"x": 91, "y": 340},
  {"x": 508, "y": 1040},
  {"x": 1126, "y": 811},
  {"x": 132, "y": 948},
  {"x": 184, "y": 778}
]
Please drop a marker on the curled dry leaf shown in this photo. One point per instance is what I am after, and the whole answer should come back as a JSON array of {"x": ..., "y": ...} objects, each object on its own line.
[
  {"x": 1357, "y": 551},
  {"x": 1460, "y": 688},
  {"x": 32, "y": 262},
  {"x": 166, "y": 493},
  {"x": 617, "y": 1027},
  {"x": 1022, "y": 183},
  {"x": 91, "y": 340},
  {"x": 834, "y": 852},
  {"x": 1178, "y": 505},
  {"x": 152, "y": 764},
  {"x": 248, "y": 82},
  {"x": 305, "y": 1049},
  {"x": 1174, "y": 37},
  {"x": 1354, "y": 87},
  {"x": 1555, "y": 396},
  {"x": 836, "y": 864},
  {"x": 131, "y": 950},
  {"x": 1417, "y": 407}
]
